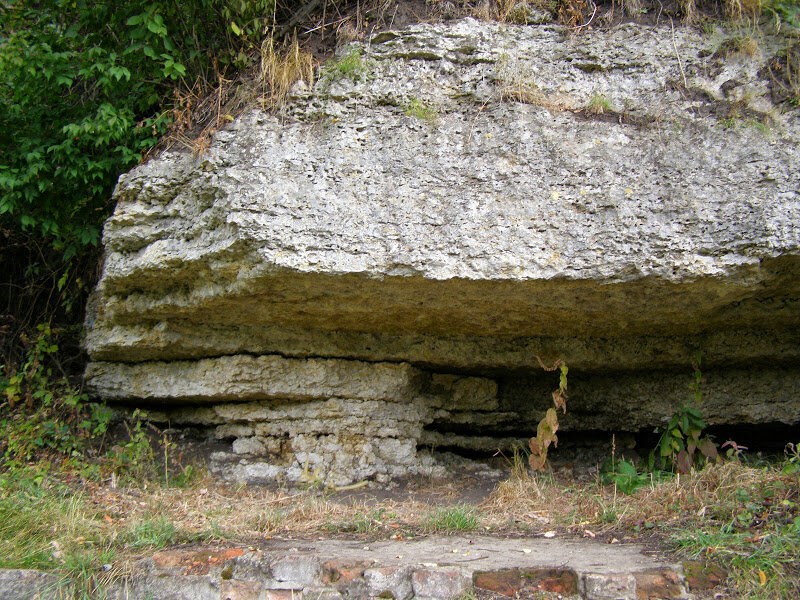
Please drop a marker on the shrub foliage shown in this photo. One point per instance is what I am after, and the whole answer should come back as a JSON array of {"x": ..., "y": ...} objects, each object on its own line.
[{"x": 85, "y": 89}]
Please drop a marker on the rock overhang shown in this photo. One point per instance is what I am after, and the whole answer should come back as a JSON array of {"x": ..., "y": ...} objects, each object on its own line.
[{"x": 511, "y": 220}]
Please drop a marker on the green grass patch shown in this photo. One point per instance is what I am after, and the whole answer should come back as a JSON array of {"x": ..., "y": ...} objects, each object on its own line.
[
  {"x": 754, "y": 532},
  {"x": 44, "y": 527},
  {"x": 151, "y": 533},
  {"x": 451, "y": 519},
  {"x": 351, "y": 66},
  {"x": 52, "y": 528}
]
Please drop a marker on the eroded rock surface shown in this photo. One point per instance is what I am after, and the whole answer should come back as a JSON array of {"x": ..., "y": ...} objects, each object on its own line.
[{"x": 380, "y": 265}]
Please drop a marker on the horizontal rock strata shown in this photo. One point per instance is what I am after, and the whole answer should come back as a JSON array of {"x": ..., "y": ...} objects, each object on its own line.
[{"x": 460, "y": 202}]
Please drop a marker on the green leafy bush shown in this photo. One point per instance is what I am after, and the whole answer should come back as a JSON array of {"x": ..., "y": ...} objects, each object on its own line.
[
  {"x": 783, "y": 11},
  {"x": 624, "y": 475},
  {"x": 41, "y": 411},
  {"x": 682, "y": 445},
  {"x": 681, "y": 448},
  {"x": 85, "y": 89}
]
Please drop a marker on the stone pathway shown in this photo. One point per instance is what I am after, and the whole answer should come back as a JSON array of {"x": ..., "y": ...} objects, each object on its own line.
[{"x": 429, "y": 568}]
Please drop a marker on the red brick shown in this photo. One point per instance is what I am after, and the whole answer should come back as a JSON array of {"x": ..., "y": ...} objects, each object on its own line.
[
  {"x": 343, "y": 571},
  {"x": 506, "y": 582},
  {"x": 560, "y": 581},
  {"x": 702, "y": 576},
  {"x": 195, "y": 563},
  {"x": 172, "y": 558},
  {"x": 658, "y": 584}
]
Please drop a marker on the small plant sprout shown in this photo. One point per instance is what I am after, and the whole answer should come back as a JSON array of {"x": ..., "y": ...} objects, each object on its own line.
[
  {"x": 350, "y": 66},
  {"x": 416, "y": 108},
  {"x": 598, "y": 104},
  {"x": 734, "y": 450}
]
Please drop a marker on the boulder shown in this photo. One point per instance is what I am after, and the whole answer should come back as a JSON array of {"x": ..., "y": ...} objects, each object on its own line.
[{"x": 387, "y": 262}]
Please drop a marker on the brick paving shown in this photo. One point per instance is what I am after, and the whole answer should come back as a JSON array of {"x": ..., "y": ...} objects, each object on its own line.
[{"x": 426, "y": 568}]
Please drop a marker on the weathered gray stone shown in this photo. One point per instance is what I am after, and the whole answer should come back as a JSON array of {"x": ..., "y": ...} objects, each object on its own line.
[
  {"x": 253, "y": 378},
  {"x": 440, "y": 583},
  {"x": 391, "y": 583},
  {"x": 166, "y": 587},
  {"x": 295, "y": 571},
  {"x": 608, "y": 586},
  {"x": 26, "y": 584},
  {"x": 322, "y": 594},
  {"x": 249, "y": 445},
  {"x": 240, "y": 590},
  {"x": 316, "y": 277}
]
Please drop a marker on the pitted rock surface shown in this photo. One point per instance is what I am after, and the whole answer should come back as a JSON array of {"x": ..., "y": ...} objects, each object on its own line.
[{"x": 471, "y": 197}]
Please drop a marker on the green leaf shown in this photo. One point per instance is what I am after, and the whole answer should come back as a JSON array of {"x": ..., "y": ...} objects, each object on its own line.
[
  {"x": 62, "y": 281},
  {"x": 235, "y": 28},
  {"x": 157, "y": 26}
]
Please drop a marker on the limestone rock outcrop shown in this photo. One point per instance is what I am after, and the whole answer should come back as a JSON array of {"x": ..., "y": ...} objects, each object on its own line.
[{"x": 383, "y": 264}]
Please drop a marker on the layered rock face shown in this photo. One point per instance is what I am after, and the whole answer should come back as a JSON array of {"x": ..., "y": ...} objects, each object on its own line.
[{"x": 382, "y": 265}]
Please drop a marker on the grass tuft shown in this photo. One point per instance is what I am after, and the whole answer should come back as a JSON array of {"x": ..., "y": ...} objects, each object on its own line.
[
  {"x": 151, "y": 533},
  {"x": 280, "y": 69},
  {"x": 417, "y": 108},
  {"x": 452, "y": 519},
  {"x": 598, "y": 104},
  {"x": 350, "y": 66}
]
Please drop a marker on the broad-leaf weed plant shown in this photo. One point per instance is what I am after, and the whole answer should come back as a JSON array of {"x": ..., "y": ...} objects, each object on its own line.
[{"x": 41, "y": 411}]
